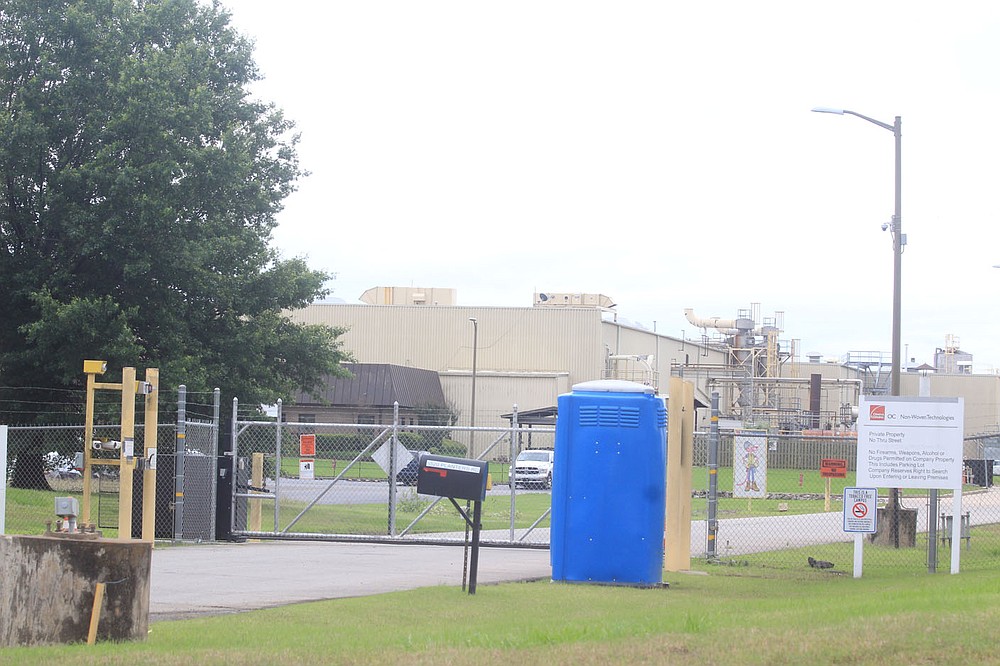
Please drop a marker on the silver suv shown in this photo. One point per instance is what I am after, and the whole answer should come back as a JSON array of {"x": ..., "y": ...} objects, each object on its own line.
[{"x": 533, "y": 467}]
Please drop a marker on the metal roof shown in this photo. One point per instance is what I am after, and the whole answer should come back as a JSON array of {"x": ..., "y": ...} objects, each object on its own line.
[{"x": 379, "y": 385}]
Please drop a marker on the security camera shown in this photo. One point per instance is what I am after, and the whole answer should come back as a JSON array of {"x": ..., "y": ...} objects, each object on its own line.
[{"x": 885, "y": 226}]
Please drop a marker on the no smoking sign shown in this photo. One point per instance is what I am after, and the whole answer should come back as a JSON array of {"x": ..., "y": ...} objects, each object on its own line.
[{"x": 860, "y": 510}]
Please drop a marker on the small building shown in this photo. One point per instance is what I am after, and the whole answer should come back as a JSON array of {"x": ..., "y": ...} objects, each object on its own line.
[{"x": 369, "y": 396}]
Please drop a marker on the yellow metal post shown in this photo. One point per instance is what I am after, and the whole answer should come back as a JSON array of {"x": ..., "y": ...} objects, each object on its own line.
[
  {"x": 680, "y": 455},
  {"x": 150, "y": 423},
  {"x": 127, "y": 454}
]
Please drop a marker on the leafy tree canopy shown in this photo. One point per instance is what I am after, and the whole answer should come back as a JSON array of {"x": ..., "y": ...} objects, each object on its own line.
[{"x": 140, "y": 184}]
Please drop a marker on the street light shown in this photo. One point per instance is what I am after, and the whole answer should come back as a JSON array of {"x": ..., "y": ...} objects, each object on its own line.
[
  {"x": 475, "y": 349},
  {"x": 898, "y": 241},
  {"x": 472, "y": 436}
]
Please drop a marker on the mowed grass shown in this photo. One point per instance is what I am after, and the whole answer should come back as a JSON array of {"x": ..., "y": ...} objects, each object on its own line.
[{"x": 813, "y": 617}]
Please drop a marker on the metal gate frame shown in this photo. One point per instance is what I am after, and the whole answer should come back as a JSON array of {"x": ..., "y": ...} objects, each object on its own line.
[{"x": 244, "y": 492}]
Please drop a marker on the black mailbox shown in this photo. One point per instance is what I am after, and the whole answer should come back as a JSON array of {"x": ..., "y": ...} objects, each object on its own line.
[{"x": 459, "y": 478}]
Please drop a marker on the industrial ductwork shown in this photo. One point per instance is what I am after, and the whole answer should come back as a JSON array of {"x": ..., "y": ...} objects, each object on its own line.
[{"x": 724, "y": 326}]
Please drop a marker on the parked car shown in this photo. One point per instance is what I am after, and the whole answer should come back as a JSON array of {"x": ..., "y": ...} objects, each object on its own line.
[
  {"x": 408, "y": 474},
  {"x": 533, "y": 467}
]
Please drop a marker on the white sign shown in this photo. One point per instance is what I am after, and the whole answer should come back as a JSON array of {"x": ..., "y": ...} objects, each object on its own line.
[
  {"x": 749, "y": 465},
  {"x": 307, "y": 469},
  {"x": 910, "y": 442},
  {"x": 860, "y": 510},
  {"x": 381, "y": 456},
  {"x": 447, "y": 464},
  {"x": 151, "y": 457}
]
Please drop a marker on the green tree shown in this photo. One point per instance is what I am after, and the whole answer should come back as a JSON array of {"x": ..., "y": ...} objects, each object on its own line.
[{"x": 140, "y": 184}]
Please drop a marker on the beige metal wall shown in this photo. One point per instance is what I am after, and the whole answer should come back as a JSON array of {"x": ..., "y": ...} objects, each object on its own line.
[
  {"x": 980, "y": 393},
  {"x": 529, "y": 356},
  {"x": 526, "y": 356}
]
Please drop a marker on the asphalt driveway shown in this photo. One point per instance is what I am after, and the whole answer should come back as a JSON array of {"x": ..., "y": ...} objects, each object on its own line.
[{"x": 218, "y": 578}]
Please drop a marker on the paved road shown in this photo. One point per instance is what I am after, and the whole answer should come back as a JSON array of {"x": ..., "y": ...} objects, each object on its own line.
[
  {"x": 221, "y": 578},
  {"x": 737, "y": 536}
]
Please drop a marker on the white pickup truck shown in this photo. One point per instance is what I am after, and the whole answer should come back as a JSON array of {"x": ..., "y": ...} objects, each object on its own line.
[{"x": 533, "y": 467}]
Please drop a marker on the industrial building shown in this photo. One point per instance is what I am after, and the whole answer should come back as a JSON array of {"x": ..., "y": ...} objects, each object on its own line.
[{"x": 527, "y": 356}]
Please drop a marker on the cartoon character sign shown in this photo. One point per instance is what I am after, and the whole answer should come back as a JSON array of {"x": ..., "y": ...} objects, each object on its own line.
[{"x": 750, "y": 465}]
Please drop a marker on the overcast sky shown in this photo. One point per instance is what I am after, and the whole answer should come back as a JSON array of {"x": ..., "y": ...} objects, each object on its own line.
[{"x": 661, "y": 153}]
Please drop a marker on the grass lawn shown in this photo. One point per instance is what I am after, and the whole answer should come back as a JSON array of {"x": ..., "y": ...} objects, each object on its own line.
[
  {"x": 368, "y": 470},
  {"x": 724, "y": 617},
  {"x": 372, "y": 518},
  {"x": 27, "y": 510}
]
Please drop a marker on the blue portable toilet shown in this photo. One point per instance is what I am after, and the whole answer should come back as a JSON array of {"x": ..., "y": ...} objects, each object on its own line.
[{"x": 609, "y": 485}]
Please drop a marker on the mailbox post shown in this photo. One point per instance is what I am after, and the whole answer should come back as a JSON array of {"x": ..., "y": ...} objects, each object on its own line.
[{"x": 457, "y": 478}]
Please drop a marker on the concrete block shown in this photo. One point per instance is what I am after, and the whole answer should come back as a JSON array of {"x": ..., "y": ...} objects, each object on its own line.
[{"x": 47, "y": 586}]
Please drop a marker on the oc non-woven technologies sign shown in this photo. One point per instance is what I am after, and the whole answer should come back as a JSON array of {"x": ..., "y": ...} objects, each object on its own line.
[{"x": 906, "y": 442}]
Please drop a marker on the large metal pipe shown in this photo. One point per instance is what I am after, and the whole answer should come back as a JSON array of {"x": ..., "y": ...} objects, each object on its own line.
[{"x": 727, "y": 326}]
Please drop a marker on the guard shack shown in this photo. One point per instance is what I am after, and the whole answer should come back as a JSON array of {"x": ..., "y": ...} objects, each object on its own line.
[{"x": 608, "y": 485}]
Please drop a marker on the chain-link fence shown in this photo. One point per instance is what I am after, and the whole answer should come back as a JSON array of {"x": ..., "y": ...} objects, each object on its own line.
[
  {"x": 793, "y": 513},
  {"x": 358, "y": 482},
  {"x": 45, "y": 462},
  {"x": 332, "y": 481}
]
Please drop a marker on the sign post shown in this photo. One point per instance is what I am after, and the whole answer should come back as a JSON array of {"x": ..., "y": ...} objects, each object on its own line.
[
  {"x": 831, "y": 468},
  {"x": 860, "y": 517},
  {"x": 906, "y": 442}
]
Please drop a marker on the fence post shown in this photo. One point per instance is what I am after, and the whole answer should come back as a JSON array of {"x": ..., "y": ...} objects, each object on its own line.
[
  {"x": 277, "y": 466},
  {"x": 392, "y": 468},
  {"x": 3, "y": 480},
  {"x": 233, "y": 457},
  {"x": 713, "y": 477},
  {"x": 179, "y": 463},
  {"x": 213, "y": 452},
  {"x": 510, "y": 469}
]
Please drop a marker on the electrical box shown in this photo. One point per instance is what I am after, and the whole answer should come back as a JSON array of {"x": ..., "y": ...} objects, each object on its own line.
[
  {"x": 459, "y": 478},
  {"x": 67, "y": 507},
  {"x": 95, "y": 367}
]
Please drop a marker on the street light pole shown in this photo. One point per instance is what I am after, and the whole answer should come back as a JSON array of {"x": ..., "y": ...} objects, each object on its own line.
[
  {"x": 475, "y": 349},
  {"x": 472, "y": 439},
  {"x": 898, "y": 241}
]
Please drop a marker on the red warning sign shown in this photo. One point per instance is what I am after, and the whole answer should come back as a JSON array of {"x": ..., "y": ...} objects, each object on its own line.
[
  {"x": 307, "y": 446},
  {"x": 833, "y": 468}
]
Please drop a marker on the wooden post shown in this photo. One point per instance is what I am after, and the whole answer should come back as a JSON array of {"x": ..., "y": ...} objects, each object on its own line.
[
  {"x": 95, "y": 613},
  {"x": 127, "y": 455},
  {"x": 150, "y": 425},
  {"x": 680, "y": 454}
]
